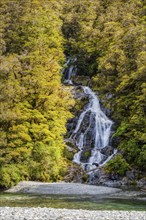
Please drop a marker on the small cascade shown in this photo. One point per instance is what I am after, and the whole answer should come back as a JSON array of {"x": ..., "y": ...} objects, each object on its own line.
[{"x": 69, "y": 71}]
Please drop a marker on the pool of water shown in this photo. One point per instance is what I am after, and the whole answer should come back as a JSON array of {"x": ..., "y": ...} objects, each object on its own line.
[{"x": 70, "y": 202}]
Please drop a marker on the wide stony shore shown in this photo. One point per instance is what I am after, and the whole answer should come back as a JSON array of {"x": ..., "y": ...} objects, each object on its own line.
[
  {"x": 61, "y": 188},
  {"x": 17, "y": 213},
  {"x": 65, "y": 214}
]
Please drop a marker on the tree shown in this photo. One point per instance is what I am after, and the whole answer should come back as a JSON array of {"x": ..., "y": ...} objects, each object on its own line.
[{"x": 34, "y": 106}]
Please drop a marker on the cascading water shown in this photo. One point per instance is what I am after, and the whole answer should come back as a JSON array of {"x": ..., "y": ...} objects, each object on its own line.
[
  {"x": 100, "y": 130},
  {"x": 69, "y": 71},
  {"x": 92, "y": 132}
]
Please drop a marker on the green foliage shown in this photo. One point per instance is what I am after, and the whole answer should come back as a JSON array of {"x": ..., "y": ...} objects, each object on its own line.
[
  {"x": 87, "y": 154},
  {"x": 12, "y": 173},
  {"x": 78, "y": 24},
  {"x": 69, "y": 154},
  {"x": 108, "y": 39},
  {"x": 34, "y": 105},
  {"x": 117, "y": 165}
]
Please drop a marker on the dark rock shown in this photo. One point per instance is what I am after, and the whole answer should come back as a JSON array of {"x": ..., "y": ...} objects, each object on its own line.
[
  {"x": 99, "y": 177},
  {"x": 82, "y": 80},
  {"x": 114, "y": 176},
  {"x": 142, "y": 183},
  {"x": 96, "y": 164},
  {"x": 130, "y": 175},
  {"x": 71, "y": 124},
  {"x": 85, "y": 155},
  {"x": 107, "y": 150}
]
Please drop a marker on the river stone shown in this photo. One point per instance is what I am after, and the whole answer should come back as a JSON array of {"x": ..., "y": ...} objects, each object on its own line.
[{"x": 7, "y": 213}]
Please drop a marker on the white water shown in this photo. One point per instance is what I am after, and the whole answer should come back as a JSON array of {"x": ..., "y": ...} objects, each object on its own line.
[
  {"x": 71, "y": 71},
  {"x": 101, "y": 131},
  {"x": 98, "y": 127}
]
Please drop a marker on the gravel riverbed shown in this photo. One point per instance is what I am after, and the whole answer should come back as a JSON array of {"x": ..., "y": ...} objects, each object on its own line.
[
  {"x": 17, "y": 213},
  {"x": 7, "y": 213}
]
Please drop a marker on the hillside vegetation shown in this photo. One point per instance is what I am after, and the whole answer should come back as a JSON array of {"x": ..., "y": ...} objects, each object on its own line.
[
  {"x": 108, "y": 40},
  {"x": 34, "y": 105}
]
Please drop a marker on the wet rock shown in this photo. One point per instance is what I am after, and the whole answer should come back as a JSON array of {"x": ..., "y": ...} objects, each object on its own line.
[
  {"x": 107, "y": 150},
  {"x": 71, "y": 124},
  {"x": 81, "y": 101}
]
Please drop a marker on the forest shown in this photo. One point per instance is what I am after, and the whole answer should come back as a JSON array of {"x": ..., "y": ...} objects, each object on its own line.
[{"x": 108, "y": 40}]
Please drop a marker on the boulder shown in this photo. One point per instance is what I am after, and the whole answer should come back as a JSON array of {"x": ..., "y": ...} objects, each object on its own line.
[{"x": 75, "y": 174}]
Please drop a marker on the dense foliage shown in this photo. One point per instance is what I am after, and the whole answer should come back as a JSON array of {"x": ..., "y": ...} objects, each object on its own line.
[
  {"x": 108, "y": 39},
  {"x": 34, "y": 105}
]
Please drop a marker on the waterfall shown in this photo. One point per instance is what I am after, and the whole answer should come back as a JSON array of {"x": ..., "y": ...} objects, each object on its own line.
[
  {"x": 70, "y": 70},
  {"x": 100, "y": 127},
  {"x": 92, "y": 131}
]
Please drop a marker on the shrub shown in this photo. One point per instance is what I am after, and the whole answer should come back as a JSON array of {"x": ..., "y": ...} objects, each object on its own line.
[{"x": 117, "y": 165}]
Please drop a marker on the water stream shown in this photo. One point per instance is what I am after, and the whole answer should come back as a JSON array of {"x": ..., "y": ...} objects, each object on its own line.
[
  {"x": 92, "y": 132},
  {"x": 70, "y": 202}
]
